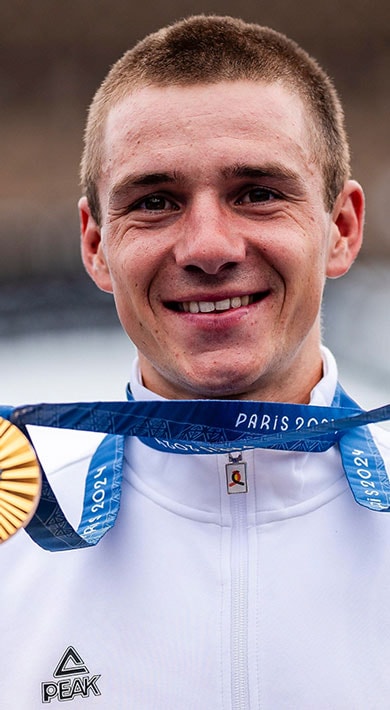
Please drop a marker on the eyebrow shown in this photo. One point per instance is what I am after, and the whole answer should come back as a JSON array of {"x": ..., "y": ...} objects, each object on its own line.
[
  {"x": 274, "y": 171},
  {"x": 139, "y": 180}
]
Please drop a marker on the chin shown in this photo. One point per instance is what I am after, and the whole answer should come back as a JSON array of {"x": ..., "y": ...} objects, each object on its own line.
[{"x": 228, "y": 387}]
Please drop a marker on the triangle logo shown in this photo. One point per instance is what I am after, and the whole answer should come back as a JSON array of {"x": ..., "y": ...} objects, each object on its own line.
[{"x": 70, "y": 663}]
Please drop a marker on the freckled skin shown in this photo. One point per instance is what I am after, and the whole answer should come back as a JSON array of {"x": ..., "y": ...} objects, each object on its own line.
[{"x": 201, "y": 229}]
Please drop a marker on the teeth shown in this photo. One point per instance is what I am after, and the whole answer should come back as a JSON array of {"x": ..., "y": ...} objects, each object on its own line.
[
  {"x": 206, "y": 306},
  {"x": 223, "y": 305},
  {"x": 211, "y": 306}
]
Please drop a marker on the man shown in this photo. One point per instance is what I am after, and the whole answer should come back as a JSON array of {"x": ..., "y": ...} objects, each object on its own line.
[{"x": 217, "y": 199}]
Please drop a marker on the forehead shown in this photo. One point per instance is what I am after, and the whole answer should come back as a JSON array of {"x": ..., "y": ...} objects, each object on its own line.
[{"x": 227, "y": 121}]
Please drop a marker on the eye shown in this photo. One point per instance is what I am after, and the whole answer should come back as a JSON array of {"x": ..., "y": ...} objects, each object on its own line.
[
  {"x": 154, "y": 203},
  {"x": 256, "y": 195}
]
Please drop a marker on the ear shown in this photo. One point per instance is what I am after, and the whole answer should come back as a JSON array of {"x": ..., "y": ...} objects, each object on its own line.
[
  {"x": 347, "y": 229},
  {"x": 91, "y": 248}
]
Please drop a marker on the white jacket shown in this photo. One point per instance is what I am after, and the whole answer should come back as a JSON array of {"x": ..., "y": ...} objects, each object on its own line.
[{"x": 274, "y": 599}]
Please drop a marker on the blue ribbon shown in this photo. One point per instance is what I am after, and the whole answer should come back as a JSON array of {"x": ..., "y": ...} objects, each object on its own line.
[{"x": 198, "y": 427}]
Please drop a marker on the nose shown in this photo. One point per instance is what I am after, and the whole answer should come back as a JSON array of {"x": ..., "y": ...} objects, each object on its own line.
[{"x": 209, "y": 241}]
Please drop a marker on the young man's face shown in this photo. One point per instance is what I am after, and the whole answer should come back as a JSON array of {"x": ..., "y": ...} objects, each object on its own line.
[{"x": 215, "y": 239}]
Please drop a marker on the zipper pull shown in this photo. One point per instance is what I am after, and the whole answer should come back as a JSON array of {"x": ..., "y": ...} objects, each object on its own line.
[{"x": 236, "y": 476}]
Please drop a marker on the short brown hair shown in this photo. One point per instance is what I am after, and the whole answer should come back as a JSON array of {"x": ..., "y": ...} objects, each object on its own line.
[{"x": 209, "y": 49}]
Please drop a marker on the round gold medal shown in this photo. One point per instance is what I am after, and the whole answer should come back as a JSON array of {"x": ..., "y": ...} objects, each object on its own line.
[{"x": 20, "y": 480}]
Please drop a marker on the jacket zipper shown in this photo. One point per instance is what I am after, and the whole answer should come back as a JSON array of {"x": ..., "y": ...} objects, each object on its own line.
[{"x": 239, "y": 604}]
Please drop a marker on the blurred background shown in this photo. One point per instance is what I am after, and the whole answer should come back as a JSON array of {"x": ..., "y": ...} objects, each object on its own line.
[{"x": 59, "y": 338}]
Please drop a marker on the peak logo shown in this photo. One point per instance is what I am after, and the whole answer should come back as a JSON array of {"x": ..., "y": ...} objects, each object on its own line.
[{"x": 74, "y": 680}]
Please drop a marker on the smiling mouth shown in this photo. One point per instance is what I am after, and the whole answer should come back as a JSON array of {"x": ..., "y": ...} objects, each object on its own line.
[{"x": 222, "y": 306}]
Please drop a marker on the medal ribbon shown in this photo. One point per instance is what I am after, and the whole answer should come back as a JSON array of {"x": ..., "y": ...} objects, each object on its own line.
[{"x": 198, "y": 427}]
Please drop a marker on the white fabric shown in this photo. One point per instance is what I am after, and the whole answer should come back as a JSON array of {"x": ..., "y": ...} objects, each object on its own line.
[{"x": 198, "y": 600}]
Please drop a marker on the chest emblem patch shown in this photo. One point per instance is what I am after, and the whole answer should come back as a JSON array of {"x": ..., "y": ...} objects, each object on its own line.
[{"x": 71, "y": 679}]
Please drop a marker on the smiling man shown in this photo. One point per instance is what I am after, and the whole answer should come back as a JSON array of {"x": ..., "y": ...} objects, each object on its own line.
[
  {"x": 220, "y": 212},
  {"x": 217, "y": 200}
]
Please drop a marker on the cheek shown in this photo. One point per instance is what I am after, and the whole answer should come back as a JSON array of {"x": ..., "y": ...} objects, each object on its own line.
[
  {"x": 302, "y": 267},
  {"x": 126, "y": 265},
  {"x": 132, "y": 276},
  {"x": 308, "y": 256},
  {"x": 134, "y": 262},
  {"x": 294, "y": 242}
]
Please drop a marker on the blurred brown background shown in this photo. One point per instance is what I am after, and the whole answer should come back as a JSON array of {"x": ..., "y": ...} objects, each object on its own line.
[{"x": 54, "y": 53}]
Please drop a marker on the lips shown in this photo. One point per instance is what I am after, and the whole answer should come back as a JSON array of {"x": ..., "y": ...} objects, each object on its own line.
[{"x": 219, "y": 306}]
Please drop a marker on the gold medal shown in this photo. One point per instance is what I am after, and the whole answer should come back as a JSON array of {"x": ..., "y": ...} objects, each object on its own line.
[{"x": 20, "y": 480}]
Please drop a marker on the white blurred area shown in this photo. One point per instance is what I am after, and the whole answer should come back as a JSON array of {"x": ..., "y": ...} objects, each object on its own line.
[
  {"x": 93, "y": 362},
  {"x": 66, "y": 366},
  {"x": 357, "y": 329}
]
